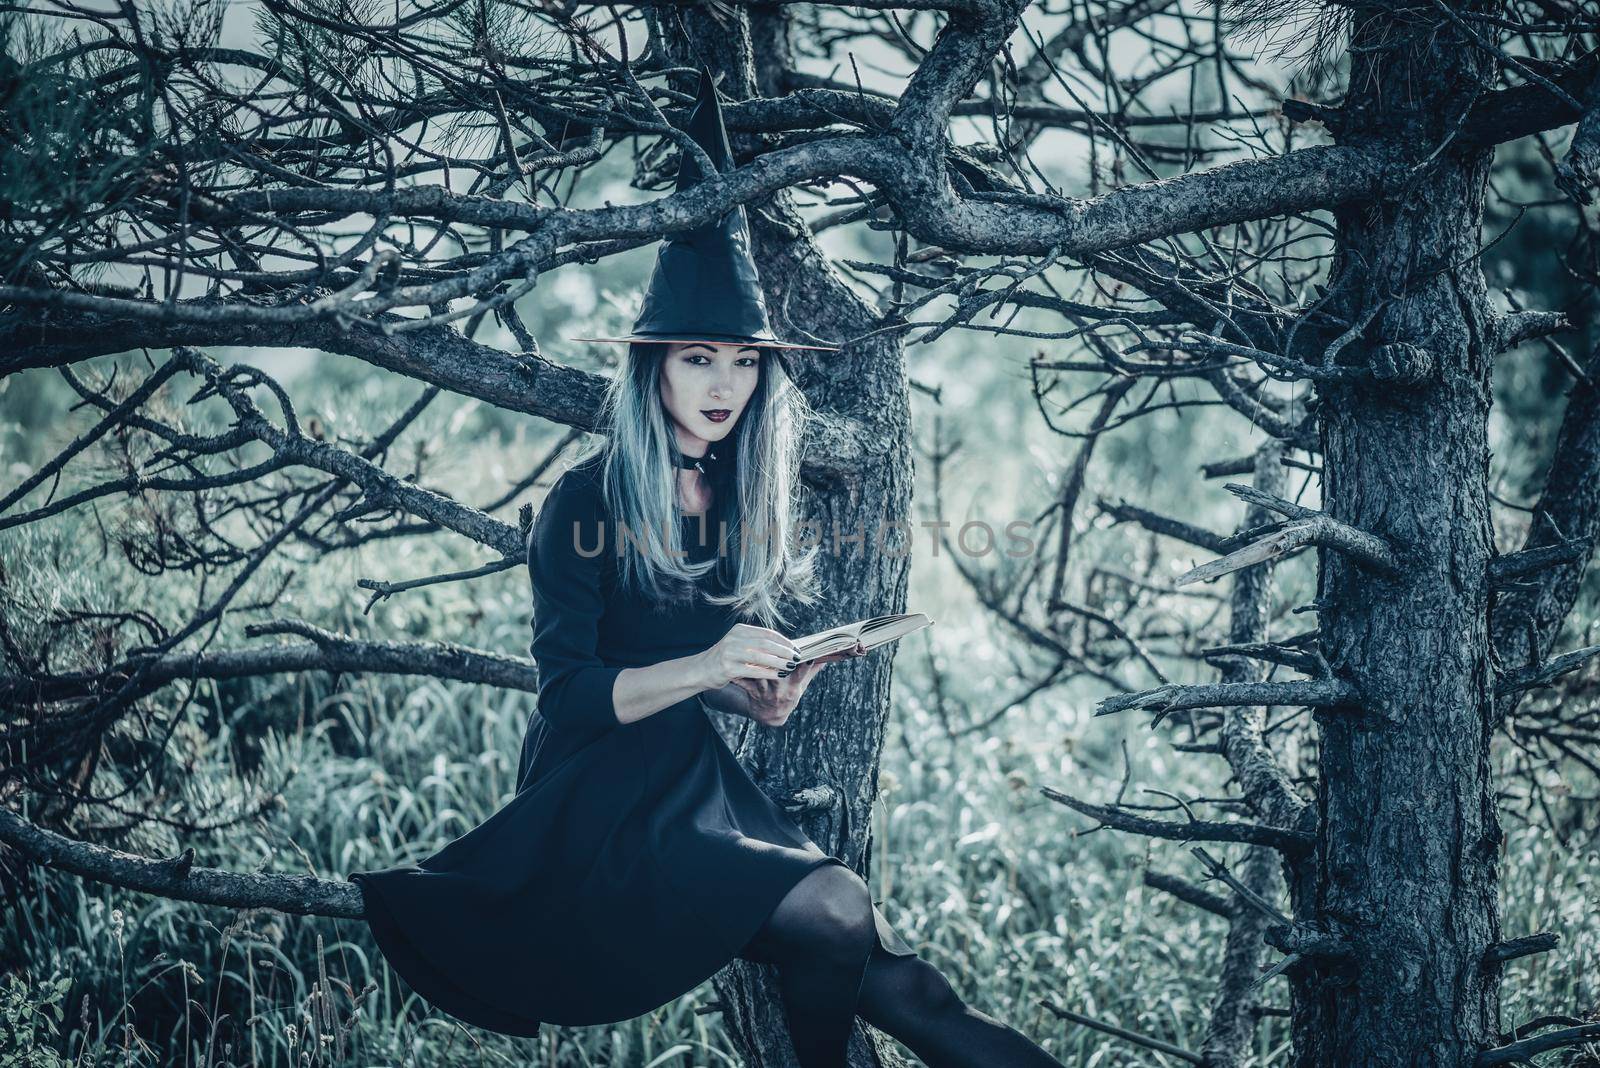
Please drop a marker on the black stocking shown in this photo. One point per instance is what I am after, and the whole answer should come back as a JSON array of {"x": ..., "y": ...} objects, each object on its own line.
[
  {"x": 819, "y": 938},
  {"x": 912, "y": 1000}
]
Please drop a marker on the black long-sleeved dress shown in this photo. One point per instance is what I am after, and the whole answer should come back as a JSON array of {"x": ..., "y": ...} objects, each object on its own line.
[{"x": 635, "y": 859}]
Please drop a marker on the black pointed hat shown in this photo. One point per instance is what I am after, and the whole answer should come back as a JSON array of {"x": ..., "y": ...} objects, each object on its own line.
[{"x": 705, "y": 286}]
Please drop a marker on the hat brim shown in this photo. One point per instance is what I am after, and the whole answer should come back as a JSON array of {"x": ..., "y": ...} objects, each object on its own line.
[{"x": 709, "y": 341}]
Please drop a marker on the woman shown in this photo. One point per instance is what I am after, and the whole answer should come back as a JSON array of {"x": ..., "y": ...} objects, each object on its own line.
[{"x": 637, "y": 857}]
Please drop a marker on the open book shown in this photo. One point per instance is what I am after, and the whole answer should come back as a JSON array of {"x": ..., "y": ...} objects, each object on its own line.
[{"x": 879, "y": 630}]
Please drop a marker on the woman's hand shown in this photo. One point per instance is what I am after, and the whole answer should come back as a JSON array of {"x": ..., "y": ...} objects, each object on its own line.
[
  {"x": 746, "y": 652},
  {"x": 849, "y": 654},
  {"x": 772, "y": 700}
]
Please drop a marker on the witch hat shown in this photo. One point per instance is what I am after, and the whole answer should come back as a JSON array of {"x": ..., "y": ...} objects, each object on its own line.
[{"x": 705, "y": 286}]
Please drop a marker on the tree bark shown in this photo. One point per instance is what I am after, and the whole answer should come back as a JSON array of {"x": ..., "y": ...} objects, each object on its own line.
[
  {"x": 1235, "y": 1007},
  {"x": 835, "y": 738},
  {"x": 1405, "y": 870}
]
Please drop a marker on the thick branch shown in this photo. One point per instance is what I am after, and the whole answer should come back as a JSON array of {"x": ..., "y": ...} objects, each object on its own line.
[
  {"x": 1189, "y": 830},
  {"x": 835, "y": 445},
  {"x": 1186, "y": 891},
  {"x": 381, "y": 489},
  {"x": 1311, "y": 693},
  {"x": 1513, "y": 329},
  {"x": 1516, "y": 948},
  {"x": 1364, "y": 548},
  {"x": 1544, "y": 674},
  {"x": 1519, "y": 1052},
  {"x": 303, "y": 895},
  {"x": 324, "y": 652},
  {"x": 1160, "y": 524},
  {"x": 1513, "y": 567}
]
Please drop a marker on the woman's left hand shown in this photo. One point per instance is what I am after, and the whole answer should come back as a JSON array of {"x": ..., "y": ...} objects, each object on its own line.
[{"x": 772, "y": 700}]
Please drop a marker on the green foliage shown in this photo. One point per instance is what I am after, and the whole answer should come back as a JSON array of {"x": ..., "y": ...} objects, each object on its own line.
[
  {"x": 63, "y": 149},
  {"x": 31, "y": 1018}
]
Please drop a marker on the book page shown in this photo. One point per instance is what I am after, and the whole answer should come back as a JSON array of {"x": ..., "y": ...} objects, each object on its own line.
[{"x": 871, "y": 633}]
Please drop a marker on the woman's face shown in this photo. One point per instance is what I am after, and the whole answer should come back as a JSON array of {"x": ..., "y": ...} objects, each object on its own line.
[{"x": 699, "y": 381}]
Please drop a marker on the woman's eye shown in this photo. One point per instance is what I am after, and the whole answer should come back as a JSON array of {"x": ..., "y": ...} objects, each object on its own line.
[{"x": 698, "y": 358}]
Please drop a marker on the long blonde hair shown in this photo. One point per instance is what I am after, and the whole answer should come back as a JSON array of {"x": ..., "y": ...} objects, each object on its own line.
[{"x": 639, "y": 481}]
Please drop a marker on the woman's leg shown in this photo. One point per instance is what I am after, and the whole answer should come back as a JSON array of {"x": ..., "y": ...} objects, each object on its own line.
[
  {"x": 819, "y": 938},
  {"x": 910, "y": 999}
]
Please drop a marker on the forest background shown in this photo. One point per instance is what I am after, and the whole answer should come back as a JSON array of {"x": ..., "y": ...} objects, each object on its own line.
[{"x": 985, "y": 875}]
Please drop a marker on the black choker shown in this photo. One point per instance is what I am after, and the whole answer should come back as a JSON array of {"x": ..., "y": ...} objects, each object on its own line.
[{"x": 704, "y": 464}]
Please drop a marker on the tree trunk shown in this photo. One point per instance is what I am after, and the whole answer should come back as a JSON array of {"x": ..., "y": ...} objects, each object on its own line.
[
  {"x": 1405, "y": 869},
  {"x": 834, "y": 739}
]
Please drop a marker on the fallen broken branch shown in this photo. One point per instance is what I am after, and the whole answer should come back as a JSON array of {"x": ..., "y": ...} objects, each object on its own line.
[
  {"x": 1310, "y": 693},
  {"x": 1365, "y": 549}
]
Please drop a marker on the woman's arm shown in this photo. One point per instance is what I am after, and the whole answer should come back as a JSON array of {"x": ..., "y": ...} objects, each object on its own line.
[
  {"x": 745, "y": 654},
  {"x": 644, "y": 691},
  {"x": 576, "y": 689}
]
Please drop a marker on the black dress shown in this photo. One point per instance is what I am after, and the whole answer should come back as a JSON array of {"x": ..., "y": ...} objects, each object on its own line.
[{"x": 636, "y": 859}]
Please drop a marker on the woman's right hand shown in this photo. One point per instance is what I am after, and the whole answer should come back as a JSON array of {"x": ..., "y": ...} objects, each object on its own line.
[{"x": 746, "y": 652}]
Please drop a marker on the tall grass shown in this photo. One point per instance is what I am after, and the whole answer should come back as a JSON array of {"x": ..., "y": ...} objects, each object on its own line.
[{"x": 997, "y": 886}]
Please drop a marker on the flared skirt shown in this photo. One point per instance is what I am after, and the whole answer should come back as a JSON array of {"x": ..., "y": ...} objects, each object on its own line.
[{"x": 620, "y": 877}]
